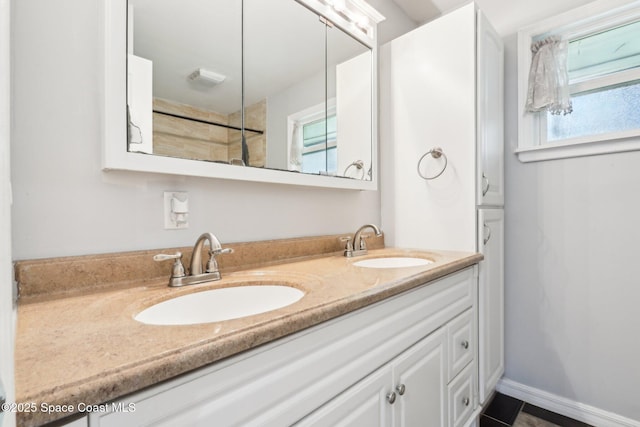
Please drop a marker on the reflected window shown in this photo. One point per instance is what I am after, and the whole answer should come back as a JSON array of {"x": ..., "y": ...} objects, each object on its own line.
[
  {"x": 319, "y": 148},
  {"x": 313, "y": 139}
]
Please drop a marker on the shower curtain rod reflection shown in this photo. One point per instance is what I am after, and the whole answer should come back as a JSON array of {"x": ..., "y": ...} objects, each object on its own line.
[{"x": 178, "y": 116}]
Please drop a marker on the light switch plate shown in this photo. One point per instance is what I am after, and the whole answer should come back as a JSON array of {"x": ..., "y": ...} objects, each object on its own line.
[{"x": 170, "y": 218}]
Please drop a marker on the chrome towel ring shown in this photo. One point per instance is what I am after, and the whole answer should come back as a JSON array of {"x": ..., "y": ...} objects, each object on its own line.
[
  {"x": 436, "y": 153},
  {"x": 358, "y": 164}
]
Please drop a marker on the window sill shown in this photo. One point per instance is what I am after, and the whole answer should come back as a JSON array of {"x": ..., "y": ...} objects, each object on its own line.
[{"x": 577, "y": 149}]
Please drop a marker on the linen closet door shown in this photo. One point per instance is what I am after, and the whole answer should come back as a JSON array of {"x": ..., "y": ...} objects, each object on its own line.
[
  {"x": 427, "y": 100},
  {"x": 490, "y": 300},
  {"x": 490, "y": 122}
]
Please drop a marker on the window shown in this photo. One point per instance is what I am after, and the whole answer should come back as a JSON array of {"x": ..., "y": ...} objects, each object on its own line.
[
  {"x": 604, "y": 81},
  {"x": 601, "y": 112}
]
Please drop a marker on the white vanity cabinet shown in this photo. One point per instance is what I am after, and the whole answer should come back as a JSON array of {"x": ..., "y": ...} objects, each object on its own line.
[{"x": 346, "y": 371}]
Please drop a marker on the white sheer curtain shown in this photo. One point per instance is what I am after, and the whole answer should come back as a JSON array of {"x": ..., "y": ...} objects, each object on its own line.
[
  {"x": 548, "y": 77},
  {"x": 295, "y": 150}
]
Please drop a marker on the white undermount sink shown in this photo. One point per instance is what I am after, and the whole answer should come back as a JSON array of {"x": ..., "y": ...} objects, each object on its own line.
[
  {"x": 221, "y": 304},
  {"x": 392, "y": 262}
]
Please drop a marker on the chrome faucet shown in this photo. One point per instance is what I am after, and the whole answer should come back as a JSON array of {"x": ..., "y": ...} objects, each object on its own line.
[
  {"x": 196, "y": 273},
  {"x": 357, "y": 246}
]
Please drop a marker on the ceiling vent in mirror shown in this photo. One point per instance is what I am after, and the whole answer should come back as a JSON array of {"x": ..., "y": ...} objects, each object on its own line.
[{"x": 206, "y": 77}]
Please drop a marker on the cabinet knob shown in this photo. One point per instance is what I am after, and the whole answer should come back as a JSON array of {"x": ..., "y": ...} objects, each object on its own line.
[
  {"x": 466, "y": 401},
  {"x": 391, "y": 397},
  {"x": 400, "y": 389},
  {"x": 465, "y": 344}
]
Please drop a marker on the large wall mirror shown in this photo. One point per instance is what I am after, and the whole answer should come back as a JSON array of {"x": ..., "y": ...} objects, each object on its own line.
[{"x": 273, "y": 90}]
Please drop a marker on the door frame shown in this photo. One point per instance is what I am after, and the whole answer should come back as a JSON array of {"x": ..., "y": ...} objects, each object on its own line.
[{"x": 7, "y": 305}]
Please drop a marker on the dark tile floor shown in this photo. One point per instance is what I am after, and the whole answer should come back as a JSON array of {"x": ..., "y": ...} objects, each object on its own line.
[{"x": 507, "y": 411}]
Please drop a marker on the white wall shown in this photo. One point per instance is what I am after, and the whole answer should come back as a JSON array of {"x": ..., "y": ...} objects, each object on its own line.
[
  {"x": 301, "y": 96},
  {"x": 572, "y": 291},
  {"x": 572, "y": 235},
  {"x": 65, "y": 205},
  {"x": 353, "y": 101},
  {"x": 396, "y": 22}
]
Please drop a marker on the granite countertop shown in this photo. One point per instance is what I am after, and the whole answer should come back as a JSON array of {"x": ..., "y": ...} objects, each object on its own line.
[{"x": 86, "y": 347}]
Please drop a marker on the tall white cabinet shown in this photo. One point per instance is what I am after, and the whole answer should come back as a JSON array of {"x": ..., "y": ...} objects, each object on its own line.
[{"x": 441, "y": 86}]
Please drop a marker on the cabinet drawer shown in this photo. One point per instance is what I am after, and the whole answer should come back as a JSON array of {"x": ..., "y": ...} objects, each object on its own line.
[
  {"x": 461, "y": 397},
  {"x": 461, "y": 341}
]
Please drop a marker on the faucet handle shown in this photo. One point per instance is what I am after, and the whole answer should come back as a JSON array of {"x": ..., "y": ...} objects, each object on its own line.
[
  {"x": 220, "y": 251},
  {"x": 363, "y": 244},
  {"x": 178, "y": 267},
  {"x": 348, "y": 249},
  {"x": 164, "y": 257},
  {"x": 212, "y": 264},
  {"x": 348, "y": 240}
]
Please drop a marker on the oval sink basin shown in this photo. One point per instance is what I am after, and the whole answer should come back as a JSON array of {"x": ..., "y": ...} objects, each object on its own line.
[
  {"x": 392, "y": 262},
  {"x": 217, "y": 305}
]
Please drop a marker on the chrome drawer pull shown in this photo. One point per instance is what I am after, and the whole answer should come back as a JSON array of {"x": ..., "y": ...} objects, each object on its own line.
[
  {"x": 465, "y": 344},
  {"x": 466, "y": 401},
  {"x": 485, "y": 189},
  {"x": 400, "y": 389},
  {"x": 488, "y": 236}
]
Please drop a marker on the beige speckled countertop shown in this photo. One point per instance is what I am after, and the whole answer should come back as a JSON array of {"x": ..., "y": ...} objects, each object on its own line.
[{"x": 87, "y": 348}]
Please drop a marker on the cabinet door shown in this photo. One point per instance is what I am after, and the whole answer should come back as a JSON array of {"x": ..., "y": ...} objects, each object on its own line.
[
  {"x": 491, "y": 300},
  {"x": 490, "y": 128},
  {"x": 364, "y": 404},
  {"x": 420, "y": 383}
]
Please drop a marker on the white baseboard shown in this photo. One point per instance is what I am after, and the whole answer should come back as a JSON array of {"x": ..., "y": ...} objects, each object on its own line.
[{"x": 563, "y": 406}]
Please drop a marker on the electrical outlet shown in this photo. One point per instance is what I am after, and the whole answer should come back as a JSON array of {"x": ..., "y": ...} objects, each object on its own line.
[{"x": 176, "y": 210}]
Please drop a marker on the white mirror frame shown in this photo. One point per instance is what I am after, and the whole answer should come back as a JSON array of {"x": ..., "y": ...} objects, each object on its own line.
[{"x": 114, "y": 144}]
